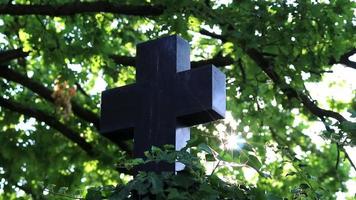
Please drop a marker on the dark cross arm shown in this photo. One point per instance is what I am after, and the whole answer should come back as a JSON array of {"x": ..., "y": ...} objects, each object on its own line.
[
  {"x": 119, "y": 107},
  {"x": 200, "y": 95}
]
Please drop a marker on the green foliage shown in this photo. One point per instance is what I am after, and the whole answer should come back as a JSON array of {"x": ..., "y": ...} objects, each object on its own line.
[
  {"x": 191, "y": 183},
  {"x": 274, "y": 152}
]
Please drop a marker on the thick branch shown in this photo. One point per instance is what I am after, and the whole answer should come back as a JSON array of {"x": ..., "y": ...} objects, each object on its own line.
[
  {"x": 53, "y": 123},
  {"x": 6, "y": 56},
  {"x": 221, "y": 61},
  {"x": 213, "y": 35},
  {"x": 49, "y": 120},
  {"x": 265, "y": 65},
  {"x": 46, "y": 93},
  {"x": 313, "y": 108},
  {"x": 218, "y": 61},
  {"x": 290, "y": 92},
  {"x": 344, "y": 59},
  {"x": 80, "y": 7},
  {"x": 123, "y": 60}
]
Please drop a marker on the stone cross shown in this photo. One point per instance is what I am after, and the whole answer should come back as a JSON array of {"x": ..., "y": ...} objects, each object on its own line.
[{"x": 166, "y": 99}]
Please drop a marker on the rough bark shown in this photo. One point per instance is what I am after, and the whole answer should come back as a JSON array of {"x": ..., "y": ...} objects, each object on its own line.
[{"x": 80, "y": 7}]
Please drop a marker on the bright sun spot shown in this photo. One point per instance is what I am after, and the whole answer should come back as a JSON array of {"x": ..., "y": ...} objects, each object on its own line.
[{"x": 235, "y": 142}]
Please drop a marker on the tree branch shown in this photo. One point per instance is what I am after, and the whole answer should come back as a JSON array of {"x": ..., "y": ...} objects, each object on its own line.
[
  {"x": 264, "y": 64},
  {"x": 313, "y": 108},
  {"x": 218, "y": 60},
  {"x": 344, "y": 59},
  {"x": 290, "y": 92},
  {"x": 81, "y": 89},
  {"x": 213, "y": 35},
  {"x": 349, "y": 159},
  {"x": 49, "y": 120},
  {"x": 46, "y": 93},
  {"x": 55, "y": 124},
  {"x": 337, "y": 156},
  {"x": 123, "y": 60},
  {"x": 80, "y": 7},
  {"x": 8, "y": 55}
]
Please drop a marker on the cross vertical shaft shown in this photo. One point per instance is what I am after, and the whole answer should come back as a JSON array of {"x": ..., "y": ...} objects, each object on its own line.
[{"x": 158, "y": 62}]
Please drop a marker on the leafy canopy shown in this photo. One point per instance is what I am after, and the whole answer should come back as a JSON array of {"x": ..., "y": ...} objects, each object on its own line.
[{"x": 57, "y": 55}]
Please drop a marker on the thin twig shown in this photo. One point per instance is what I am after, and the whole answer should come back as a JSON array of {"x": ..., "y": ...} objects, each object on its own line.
[
  {"x": 81, "y": 89},
  {"x": 216, "y": 166},
  {"x": 63, "y": 195},
  {"x": 338, "y": 156},
  {"x": 243, "y": 73},
  {"x": 349, "y": 158}
]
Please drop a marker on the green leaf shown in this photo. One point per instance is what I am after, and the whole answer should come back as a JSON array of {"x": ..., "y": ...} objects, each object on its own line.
[
  {"x": 93, "y": 194},
  {"x": 291, "y": 174},
  {"x": 349, "y": 127},
  {"x": 205, "y": 147},
  {"x": 353, "y": 113},
  {"x": 207, "y": 192},
  {"x": 250, "y": 160},
  {"x": 226, "y": 156},
  {"x": 271, "y": 196},
  {"x": 51, "y": 187},
  {"x": 304, "y": 186},
  {"x": 183, "y": 180},
  {"x": 173, "y": 194},
  {"x": 210, "y": 157},
  {"x": 157, "y": 185},
  {"x": 63, "y": 190}
]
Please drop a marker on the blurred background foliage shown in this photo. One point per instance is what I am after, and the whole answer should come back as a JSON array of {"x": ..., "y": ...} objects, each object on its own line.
[{"x": 56, "y": 56}]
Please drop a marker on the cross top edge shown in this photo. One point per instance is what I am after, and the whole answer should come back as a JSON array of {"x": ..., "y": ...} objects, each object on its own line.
[{"x": 168, "y": 38}]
